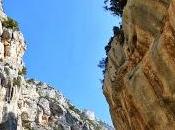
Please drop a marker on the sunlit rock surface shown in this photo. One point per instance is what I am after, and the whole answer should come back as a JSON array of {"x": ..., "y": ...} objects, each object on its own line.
[
  {"x": 27, "y": 104},
  {"x": 139, "y": 80}
]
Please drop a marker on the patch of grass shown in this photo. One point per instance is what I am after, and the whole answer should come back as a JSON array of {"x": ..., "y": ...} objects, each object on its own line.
[{"x": 10, "y": 23}]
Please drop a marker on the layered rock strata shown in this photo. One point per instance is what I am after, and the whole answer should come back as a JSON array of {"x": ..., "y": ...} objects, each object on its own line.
[{"x": 139, "y": 80}]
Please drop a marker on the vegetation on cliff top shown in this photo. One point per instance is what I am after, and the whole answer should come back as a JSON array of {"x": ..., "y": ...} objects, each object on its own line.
[
  {"x": 117, "y": 31},
  {"x": 115, "y": 6},
  {"x": 10, "y": 23},
  {"x": 23, "y": 71}
]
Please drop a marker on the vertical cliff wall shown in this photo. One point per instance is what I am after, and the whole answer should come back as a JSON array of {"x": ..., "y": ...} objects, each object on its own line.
[
  {"x": 12, "y": 47},
  {"x": 139, "y": 80},
  {"x": 27, "y": 104}
]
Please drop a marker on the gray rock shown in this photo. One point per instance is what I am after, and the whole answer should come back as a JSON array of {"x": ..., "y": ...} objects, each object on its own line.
[
  {"x": 7, "y": 34},
  {"x": 10, "y": 123},
  {"x": 44, "y": 104}
]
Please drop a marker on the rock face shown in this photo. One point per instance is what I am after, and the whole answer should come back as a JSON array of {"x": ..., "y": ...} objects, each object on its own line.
[
  {"x": 139, "y": 80},
  {"x": 47, "y": 109},
  {"x": 30, "y": 104},
  {"x": 89, "y": 114}
]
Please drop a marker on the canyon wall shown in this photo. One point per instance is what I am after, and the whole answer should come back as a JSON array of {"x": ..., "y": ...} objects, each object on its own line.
[
  {"x": 28, "y": 104},
  {"x": 139, "y": 82}
]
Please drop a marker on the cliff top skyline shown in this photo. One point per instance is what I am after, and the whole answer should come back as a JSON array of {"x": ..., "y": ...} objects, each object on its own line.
[{"x": 65, "y": 43}]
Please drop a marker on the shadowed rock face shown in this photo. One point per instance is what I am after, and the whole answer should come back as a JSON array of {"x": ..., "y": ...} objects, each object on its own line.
[
  {"x": 139, "y": 81},
  {"x": 9, "y": 123}
]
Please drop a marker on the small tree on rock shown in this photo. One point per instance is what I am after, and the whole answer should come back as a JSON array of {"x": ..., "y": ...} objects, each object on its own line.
[{"x": 115, "y": 6}]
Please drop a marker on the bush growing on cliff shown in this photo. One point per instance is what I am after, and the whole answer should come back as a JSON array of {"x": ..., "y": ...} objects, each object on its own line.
[
  {"x": 115, "y": 6},
  {"x": 117, "y": 30},
  {"x": 102, "y": 63},
  {"x": 7, "y": 71},
  {"x": 30, "y": 80},
  {"x": 17, "y": 81},
  {"x": 117, "y": 34},
  {"x": 23, "y": 71},
  {"x": 40, "y": 83},
  {"x": 108, "y": 46},
  {"x": 10, "y": 23}
]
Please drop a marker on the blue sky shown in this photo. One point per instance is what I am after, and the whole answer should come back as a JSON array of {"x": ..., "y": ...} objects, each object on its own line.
[{"x": 66, "y": 40}]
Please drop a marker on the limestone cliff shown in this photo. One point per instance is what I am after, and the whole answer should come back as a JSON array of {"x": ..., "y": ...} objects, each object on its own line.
[
  {"x": 139, "y": 80},
  {"x": 27, "y": 104}
]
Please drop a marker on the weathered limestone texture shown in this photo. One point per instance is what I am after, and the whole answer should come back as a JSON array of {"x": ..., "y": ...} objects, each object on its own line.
[
  {"x": 27, "y": 104},
  {"x": 139, "y": 80}
]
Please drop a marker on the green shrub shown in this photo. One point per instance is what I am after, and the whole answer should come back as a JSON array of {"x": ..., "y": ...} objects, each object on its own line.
[
  {"x": 17, "y": 81},
  {"x": 40, "y": 83},
  {"x": 117, "y": 33},
  {"x": 23, "y": 71},
  {"x": 30, "y": 80},
  {"x": 10, "y": 23},
  {"x": 115, "y": 6},
  {"x": 72, "y": 107},
  {"x": 103, "y": 64},
  {"x": 7, "y": 71},
  {"x": 58, "y": 127},
  {"x": 7, "y": 64}
]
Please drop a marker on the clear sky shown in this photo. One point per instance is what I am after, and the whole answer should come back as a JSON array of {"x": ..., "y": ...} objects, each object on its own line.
[{"x": 66, "y": 40}]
